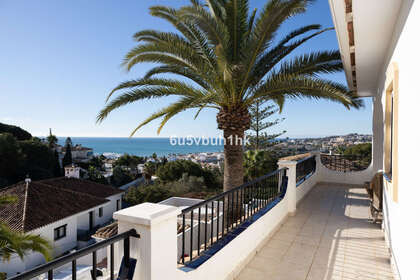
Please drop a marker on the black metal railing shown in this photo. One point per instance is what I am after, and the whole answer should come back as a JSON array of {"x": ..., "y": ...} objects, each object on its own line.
[
  {"x": 345, "y": 163},
  {"x": 305, "y": 168},
  {"x": 204, "y": 224},
  {"x": 92, "y": 249}
]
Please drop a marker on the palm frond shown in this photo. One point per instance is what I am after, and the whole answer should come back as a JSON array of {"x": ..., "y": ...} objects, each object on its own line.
[
  {"x": 325, "y": 62},
  {"x": 21, "y": 244},
  {"x": 297, "y": 86},
  {"x": 272, "y": 16},
  {"x": 146, "y": 92},
  {"x": 270, "y": 59}
]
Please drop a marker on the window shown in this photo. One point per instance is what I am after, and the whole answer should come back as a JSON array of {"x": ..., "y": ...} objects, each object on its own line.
[
  {"x": 391, "y": 131},
  {"x": 118, "y": 206},
  {"x": 101, "y": 212},
  {"x": 60, "y": 232}
]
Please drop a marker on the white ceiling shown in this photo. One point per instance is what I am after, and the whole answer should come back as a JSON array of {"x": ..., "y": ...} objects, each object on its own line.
[{"x": 373, "y": 23}]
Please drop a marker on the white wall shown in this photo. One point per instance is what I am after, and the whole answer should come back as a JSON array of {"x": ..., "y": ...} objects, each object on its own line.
[
  {"x": 59, "y": 247},
  {"x": 308, "y": 184},
  {"x": 108, "y": 209},
  {"x": 75, "y": 222},
  {"x": 226, "y": 263},
  {"x": 401, "y": 218},
  {"x": 325, "y": 174}
]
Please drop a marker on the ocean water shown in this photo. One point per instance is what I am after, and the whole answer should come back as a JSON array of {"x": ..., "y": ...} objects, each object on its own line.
[{"x": 140, "y": 146}]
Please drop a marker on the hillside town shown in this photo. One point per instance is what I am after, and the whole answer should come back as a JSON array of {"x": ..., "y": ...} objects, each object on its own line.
[{"x": 209, "y": 140}]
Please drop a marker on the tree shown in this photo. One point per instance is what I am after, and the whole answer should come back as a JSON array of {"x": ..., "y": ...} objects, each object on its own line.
[
  {"x": 67, "y": 159},
  {"x": 11, "y": 159},
  {"x": 260, "y": 139},
  {"x": 258, "y": 163},
  {"x": 120, "y": 177},
  {"x": 129, "y": 161},
  {"x": 163, "y": 190},
  {"x": 17, "y": 132},
  {"x": 363, "y": 150},
  {"x": 174, "y": 170},
  {"x": 52, "y": 140},
  {"x": 40, "y": 162},
  {"x": 227, "y": 59},
  {"x": 150, "y": 168},
  {"x": 12, "y": 242},
  {"x": 95, "y": 176},
  {"x": 57, "y": 168},
  {"x": 68, "y": 142}
]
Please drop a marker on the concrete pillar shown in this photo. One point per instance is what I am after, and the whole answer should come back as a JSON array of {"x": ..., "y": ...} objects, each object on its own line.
[
  {"x": 291, "y": 185},
  {"x": 156, "y": 249}
]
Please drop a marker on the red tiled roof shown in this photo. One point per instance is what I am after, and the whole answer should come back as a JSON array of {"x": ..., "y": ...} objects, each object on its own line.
[
  {"x": 107, "y": 231},
  {"x": 83, "y": 186},
  {"x": 43, "y": 202}
]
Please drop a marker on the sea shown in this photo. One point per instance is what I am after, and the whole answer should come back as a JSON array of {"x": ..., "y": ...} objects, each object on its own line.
[{"x": 111, "y": 146}]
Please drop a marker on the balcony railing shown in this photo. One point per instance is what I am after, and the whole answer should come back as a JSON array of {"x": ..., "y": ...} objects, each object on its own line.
[
  {"x": 345, "y": 163},
  {"x": 209, "y": 222},
  {"x": 305, "y": 168},
  {"x": 92, "y": 249}
]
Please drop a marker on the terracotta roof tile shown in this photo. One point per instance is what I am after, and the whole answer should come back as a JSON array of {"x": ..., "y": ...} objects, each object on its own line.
[
  {"x": 43, "y": 202},
  {"x": 83, "y": 186}
]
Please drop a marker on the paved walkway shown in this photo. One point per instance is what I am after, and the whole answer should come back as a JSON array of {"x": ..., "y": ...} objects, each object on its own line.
[{"x": 330, "y": 237}]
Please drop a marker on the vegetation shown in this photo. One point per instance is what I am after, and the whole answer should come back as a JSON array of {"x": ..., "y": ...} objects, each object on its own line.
[
  {"x": 174, "y": 170},
  {"x": 258, "y": 138},
  {"x": 52, "y": 140},
  {"x": 120, "y": 176},
  {"x": 363, "y": 150},
  {"x": 129, "y": 161},
  {"x": 258, "y": 163},
  {"x": 17, "y": 132},
  {"x": 67, "y": 159},
  {"x": 230, "y": 60},
  {"x": 29, "y": 157},
  {"x": 20, "y": 243},
  {"x": 161, "y": 191},
  {"x": 95, "y": 175}
]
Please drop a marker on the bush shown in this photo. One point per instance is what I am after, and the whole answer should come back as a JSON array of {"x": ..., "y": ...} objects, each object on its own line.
[
  {"x": 161, "y": 191},
  {"x": 364, "y": 150},
  {"x": 258, "y": 163},
  {"x": 174, "y": 170},
  {"x": 120, "y": 177}
]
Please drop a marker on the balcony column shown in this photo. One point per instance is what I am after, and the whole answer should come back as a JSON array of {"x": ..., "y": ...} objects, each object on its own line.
[
  {"x": 291, "y": 185},
  {"x": 156, "y": 249}
]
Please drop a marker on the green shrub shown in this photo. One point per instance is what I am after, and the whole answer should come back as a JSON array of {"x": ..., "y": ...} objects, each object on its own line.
[{"x": 174, "y": 170}]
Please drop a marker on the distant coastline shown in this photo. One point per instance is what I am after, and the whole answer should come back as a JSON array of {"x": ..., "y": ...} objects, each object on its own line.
[{"x": 139, "y": 146}]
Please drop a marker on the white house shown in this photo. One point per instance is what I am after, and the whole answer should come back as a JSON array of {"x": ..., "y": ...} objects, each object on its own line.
[
  {"x": 81, "y": 154},
  {"x": 65, "y": 210},
  {"x": 379, "y": 44}
]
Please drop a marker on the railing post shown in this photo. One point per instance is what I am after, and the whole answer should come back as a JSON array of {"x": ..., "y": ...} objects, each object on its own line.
[
  {"x": 291, "y": 185},
  {"x": 156, "y": 249}
]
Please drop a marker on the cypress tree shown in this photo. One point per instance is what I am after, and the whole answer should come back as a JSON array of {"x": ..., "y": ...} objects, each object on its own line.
[{"x": 67, "y": 156}]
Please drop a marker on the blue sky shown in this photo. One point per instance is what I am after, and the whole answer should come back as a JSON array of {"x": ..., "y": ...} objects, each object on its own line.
[{"x": 59, "y": 59}]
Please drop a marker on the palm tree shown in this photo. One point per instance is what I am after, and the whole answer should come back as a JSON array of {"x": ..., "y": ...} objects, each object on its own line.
[
  {"x": 52, "y": 140},
  {"x": 12, "y": 242},
  {"x": 227, "y": 59}
]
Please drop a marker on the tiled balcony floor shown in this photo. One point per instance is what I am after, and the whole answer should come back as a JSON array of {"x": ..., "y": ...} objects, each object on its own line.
[{"x": 330, "y": 237}]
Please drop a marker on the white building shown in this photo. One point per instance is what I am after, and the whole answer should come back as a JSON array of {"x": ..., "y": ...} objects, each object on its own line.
[
  {"x": 65, "y": 211},
  {"x": 81, "y": 154},
  {"x": 379, "y": 44}
]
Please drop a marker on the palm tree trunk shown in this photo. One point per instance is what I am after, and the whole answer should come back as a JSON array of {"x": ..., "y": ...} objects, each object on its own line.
[
  {"x": 233, "y": 150},
  {"x": 233, "y": 123},
  {"x": 233, "y": 174}
]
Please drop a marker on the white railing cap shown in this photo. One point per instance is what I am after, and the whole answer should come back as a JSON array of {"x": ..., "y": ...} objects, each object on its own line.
[{"x": 147, "y": 214}]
